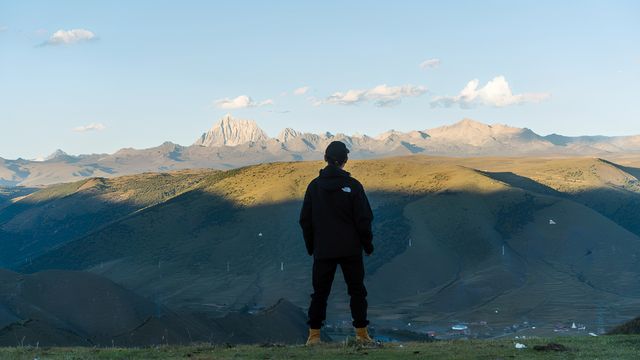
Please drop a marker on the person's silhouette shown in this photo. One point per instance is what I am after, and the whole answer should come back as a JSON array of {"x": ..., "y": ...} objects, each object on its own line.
[{"x": 336, "y": 224}]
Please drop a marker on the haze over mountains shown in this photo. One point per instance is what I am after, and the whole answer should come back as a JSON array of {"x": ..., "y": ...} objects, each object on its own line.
[{"x": 233, "y": 143}]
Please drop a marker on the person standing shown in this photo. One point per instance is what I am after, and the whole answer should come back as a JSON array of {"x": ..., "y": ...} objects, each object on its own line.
[{"x": 336, "y": 225}]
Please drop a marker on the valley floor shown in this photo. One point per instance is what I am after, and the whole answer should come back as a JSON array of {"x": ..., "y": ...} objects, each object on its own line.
[{"x": 603, "y": 347}]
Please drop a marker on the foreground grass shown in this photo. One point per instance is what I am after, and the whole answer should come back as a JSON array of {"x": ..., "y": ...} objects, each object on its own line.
[{"x": 603, "y": 347}]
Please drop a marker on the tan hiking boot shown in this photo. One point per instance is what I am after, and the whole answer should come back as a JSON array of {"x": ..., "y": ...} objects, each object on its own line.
[
  {"x": 362, "y": 336},
  {"x": 314, "y": 337}
]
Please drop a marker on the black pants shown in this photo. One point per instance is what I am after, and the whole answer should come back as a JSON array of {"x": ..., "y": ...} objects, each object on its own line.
[{"x": 323, "y": 273}]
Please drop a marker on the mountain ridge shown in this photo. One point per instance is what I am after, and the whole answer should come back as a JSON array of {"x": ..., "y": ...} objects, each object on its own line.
[
  {"x": 230, "y": 131},
  {"x": 233, "y": 143}
]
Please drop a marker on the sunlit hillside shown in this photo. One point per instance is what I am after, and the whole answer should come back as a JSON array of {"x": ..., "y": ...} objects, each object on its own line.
[{"x": 494, "y": 241}]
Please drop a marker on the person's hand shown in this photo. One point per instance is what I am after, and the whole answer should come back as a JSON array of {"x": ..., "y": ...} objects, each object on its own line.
[
  {"x": 368, "y": 250},
  {"x": 309, "y": 246}
]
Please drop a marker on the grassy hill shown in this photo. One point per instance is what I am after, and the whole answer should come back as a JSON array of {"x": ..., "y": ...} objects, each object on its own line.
[
  {"x": 64, "y": 212},
  {"x": 604, "y": 347},
  {"x": 491, "y": 242},
  {"x": 8, "y": 195},
  {"x": 78, "y": 308}
]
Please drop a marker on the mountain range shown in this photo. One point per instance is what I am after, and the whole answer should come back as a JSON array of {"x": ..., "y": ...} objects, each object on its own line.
[{"x": 233, "y": 143}]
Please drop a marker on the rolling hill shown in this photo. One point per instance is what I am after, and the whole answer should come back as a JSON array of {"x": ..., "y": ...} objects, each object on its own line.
[
  {"x": 494, "y": 241},
  {"x": 71, "y": 308},
  {"x": 64, "y": 212},
  {"x": 9, "y": 195}
]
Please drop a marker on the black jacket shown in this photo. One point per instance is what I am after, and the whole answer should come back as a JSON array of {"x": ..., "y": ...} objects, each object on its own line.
[{"x": 336, "y": 216}]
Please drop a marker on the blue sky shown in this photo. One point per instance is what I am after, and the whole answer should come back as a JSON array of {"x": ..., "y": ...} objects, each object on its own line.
[{"x": 137, "y": 73}]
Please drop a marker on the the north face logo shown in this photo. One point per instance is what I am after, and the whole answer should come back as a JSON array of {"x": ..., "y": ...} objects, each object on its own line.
[{"x": 346, "y": 189}]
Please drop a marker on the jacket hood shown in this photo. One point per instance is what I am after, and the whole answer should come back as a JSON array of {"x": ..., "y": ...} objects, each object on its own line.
[{"x": 333, "y": 178}]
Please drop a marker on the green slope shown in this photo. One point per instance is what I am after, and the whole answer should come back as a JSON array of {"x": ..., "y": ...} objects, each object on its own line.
[
  {"x": 61, "y": 213},
  {"x": 202, "y": 249},
  {"x": 8, "y": 195}
]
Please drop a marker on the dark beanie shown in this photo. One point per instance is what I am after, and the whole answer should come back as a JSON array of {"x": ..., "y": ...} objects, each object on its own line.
[{"x": 336, "y": 151}]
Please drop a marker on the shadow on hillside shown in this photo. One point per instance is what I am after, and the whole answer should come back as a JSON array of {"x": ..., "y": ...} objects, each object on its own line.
[
  {"x": 29, "y": 228},
  {"x": 250, "y": 249},
  {"x": 7, "y": 194},
  {"x": 522, "y": 182},
  {"x": 65, "y": 212},
  {"x": 71, "y": 308},
  {"x": 199, "y": 220},
  {"x": 186, "y": 219},
  {"x": 618, "y": 205}
]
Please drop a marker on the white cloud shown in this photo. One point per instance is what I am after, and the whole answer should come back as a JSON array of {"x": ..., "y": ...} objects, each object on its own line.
[
  {"x": 3, "y": 28},
  {"x": 430, "y": 64},
  {"x": 381, "y": 95},
  {"x": 495, "y": 93},
  {"x": 301, "y": 90},
  {"x": 68, "y": 37},
  {"x": 90, "y": 127},
  {"x": 240, "y": 102}
]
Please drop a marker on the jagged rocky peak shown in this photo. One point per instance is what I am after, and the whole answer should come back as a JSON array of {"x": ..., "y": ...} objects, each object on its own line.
[
  {"x": 231, "y": 131},
  {"x": 168, "y": 145},
  {"x": 390, "y": 134},
  {"x": 58, "y": 154},
  {"x": 288, "y": 134},
  {"x": 394, "y": 136},
  {"x": 359, "y": 135}
]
